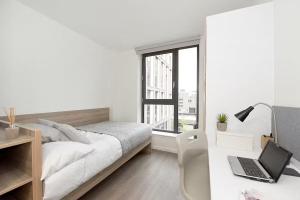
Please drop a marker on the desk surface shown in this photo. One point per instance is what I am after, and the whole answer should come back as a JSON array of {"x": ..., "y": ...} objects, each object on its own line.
[{"x": 225, "y": 186}]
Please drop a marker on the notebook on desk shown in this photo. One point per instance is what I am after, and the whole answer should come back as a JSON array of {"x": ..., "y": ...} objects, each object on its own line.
[{"x": 268, "y": 168}]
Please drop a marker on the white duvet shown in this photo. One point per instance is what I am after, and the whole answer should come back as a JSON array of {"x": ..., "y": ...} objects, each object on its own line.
[{"x": 107, "y": 149}]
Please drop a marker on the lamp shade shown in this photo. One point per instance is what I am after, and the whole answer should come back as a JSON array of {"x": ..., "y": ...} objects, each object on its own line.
[{"x": 244, "y": 113}]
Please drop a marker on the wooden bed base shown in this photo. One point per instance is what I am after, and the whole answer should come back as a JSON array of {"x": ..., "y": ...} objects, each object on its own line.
[
  {"x": 84, "y": 188},
  {"x": 79, "y": 118}
]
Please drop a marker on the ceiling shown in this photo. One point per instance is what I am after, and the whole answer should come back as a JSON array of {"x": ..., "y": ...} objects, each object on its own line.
[{"x": 126, "y": 24}]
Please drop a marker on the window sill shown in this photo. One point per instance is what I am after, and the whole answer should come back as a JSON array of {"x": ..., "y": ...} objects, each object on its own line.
[{"x": 164, "y": 134}]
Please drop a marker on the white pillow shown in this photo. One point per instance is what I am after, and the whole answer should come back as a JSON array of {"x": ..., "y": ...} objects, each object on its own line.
[
  {"x": 47, "y": 122},
  {"x": 72, "y": 133},
  {"x": 49, "y": 134},
  {"x": 57, "y": 155}
]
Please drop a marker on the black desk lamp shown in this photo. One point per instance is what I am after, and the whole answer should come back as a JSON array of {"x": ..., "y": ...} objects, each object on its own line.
[{"x": 244, "y": 114}]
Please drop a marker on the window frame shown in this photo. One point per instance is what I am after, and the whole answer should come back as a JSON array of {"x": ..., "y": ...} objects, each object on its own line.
[{"x": 175, "y": 92}]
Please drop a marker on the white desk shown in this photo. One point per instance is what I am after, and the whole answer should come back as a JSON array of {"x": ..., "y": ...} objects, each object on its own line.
[{"x": 225, "y": 186}]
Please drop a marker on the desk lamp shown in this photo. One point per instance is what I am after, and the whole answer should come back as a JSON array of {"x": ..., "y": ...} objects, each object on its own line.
[{"x": 244, "y": 114}]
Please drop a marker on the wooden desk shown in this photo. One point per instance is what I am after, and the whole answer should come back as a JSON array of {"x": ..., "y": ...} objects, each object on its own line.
[{"x": 226, "y": 186}]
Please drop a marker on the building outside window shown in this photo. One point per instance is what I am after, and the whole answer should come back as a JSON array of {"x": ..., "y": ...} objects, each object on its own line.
[{"x": 171, "y": 103}]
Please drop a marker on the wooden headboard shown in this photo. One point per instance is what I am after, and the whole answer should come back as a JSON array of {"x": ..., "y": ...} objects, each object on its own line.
[{"x": 74, "y": 117}]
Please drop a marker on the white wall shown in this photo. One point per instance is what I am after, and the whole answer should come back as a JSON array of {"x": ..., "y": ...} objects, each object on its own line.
[
  {"x": 127, "y": 85},
  {"x": 287, "y": 57},
  {"x": 260, "y": 1},
  {"x": 240, "y": 68},
  {"x": 47, "y": 67}
]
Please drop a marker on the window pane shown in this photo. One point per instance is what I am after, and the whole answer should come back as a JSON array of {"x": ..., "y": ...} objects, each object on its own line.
[
  {"x": 159, "y": 76},
  {"x": 159, "y": 116},
  {"x": 187, "y": 84}
]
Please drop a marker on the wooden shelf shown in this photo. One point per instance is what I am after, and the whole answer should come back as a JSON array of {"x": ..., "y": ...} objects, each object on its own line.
[
  {"x": 20, "y": 165},
  {"x": 12, "y": 178},
  {"x": 7, "y": 197},
  {"x": 22, "y": 139}
]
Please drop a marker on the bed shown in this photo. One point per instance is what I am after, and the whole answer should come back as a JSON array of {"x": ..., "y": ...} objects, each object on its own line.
[{"x": 114, "y": 143}]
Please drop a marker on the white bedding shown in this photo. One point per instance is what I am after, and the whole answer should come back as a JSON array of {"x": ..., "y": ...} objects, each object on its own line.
[
  {"x": 107, "y": 149},
  {"x": 57, "y": 155}
]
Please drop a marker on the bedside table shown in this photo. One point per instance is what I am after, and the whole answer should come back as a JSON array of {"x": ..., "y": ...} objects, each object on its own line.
[{"x": 20, "y": 165}]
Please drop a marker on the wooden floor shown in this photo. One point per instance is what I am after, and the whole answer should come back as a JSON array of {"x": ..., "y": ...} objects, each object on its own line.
[{"x": 152, "y": 176}]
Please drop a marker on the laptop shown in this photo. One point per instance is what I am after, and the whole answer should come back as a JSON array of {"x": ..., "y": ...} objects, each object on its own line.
[{"x": 267, "y": 168}]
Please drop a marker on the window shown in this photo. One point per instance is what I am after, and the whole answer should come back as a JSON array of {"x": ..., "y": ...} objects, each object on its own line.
[
  {"x": 170, "y": 89},
  {"x": 148, "y": 115}
]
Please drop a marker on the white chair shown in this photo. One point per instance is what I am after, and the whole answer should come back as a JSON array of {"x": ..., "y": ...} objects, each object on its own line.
[{"x": 193, "y": 164}]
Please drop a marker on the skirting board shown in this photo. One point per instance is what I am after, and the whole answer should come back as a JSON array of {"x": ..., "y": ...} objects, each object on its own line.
[{"x": 166, "y": 149}]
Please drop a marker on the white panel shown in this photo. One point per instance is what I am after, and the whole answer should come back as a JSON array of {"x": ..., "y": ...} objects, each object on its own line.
[
  {"x": 240, "y": 68},
  {"x": 287, "y": 60},
  {"x": 235, "y": 141}
]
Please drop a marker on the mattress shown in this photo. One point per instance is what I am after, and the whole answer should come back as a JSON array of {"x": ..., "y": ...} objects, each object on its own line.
[
  {"x": 129, "y": 134},
  {"x": 107, "y": 149}
]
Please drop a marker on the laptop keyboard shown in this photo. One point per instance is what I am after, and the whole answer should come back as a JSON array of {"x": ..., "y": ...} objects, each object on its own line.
[{"x": 250, "y": 168}]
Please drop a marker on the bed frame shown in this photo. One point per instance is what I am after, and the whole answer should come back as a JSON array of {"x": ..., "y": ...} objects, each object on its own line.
[{"x": 80, "y": 118}]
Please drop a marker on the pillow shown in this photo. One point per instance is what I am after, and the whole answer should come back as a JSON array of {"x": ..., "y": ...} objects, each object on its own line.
[
  {"x": 49, "y": 134},
  {"x": 57, "y": 155},
  {"x": 72, "y": 133},
  {"x": 47, "y": 122}
]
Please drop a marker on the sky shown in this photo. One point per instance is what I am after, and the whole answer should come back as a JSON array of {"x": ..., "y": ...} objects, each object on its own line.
[{"x": 188, "y": 69}]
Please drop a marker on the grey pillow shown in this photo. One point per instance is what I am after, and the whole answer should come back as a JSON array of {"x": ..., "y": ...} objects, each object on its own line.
[
  {"x": 72, "y": 133},
  {"x": 47, "y": 122},
  {"x": 49, "y": 134}
]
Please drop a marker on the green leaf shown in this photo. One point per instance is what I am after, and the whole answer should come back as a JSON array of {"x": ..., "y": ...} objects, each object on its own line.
[{"x": 222, "y": 118}]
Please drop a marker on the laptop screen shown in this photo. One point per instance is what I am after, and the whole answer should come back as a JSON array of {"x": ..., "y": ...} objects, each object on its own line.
[{"x": 274, "y": 159}]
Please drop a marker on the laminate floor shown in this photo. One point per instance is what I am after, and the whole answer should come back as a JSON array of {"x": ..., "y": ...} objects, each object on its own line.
[{"x": 152, "y": 176}]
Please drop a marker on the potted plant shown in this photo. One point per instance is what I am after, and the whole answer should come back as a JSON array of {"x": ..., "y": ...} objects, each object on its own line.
[
  {"x": 12, "y": 131},
  {"x": 222, "y": 122}
]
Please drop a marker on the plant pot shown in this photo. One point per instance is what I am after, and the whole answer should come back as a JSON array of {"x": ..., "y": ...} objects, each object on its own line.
[
  {"x": 222, "y": 126},
  {"x": 11, "y": 133}
]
